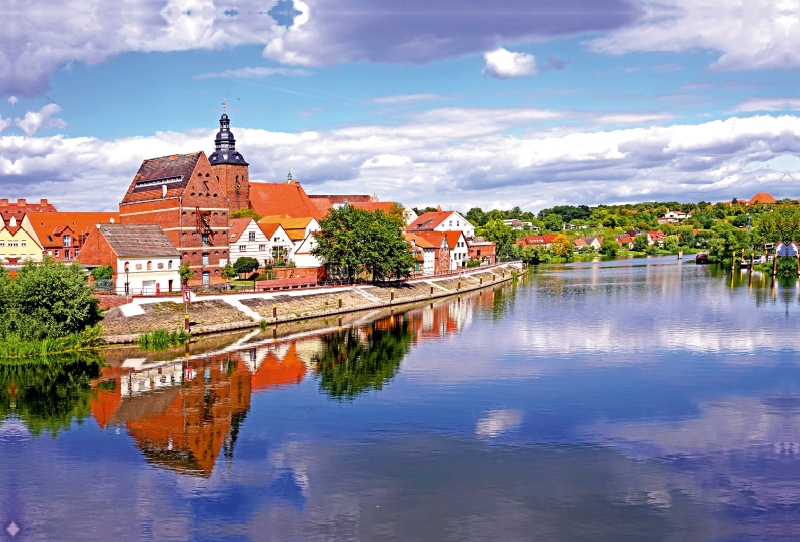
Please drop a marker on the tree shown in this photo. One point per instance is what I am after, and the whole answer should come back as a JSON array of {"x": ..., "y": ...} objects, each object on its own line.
[
  {"x": 358, "y": 240},
  {"x": 228, "y": 272},
  {"x": 671, "y": 243},
  {"x": 562, "y": 246},
  {"x": 245, "y": 265},
  {"x": 104, "y": 272},
  {"x": 498, "y": 233},
  {"x": 246, "y": 213},
  {"x": 553, "y": 222},
  {"x": 476, "y": 216},
  {"x": 47, "y": 300},
  {"x": 610, "y": 247},
  {"x": 640, "y": 242},
  {"x": 185, "y": 273}
]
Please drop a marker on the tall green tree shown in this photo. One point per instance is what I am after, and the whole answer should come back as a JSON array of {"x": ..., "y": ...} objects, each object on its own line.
[
  {"x": 498, "y": 233},
  {"x": 610, "y": 247},
  {"x": 553, "y": 222},
  {"x": 640, "y": 242},
  {"x": 357, "y": 240}
]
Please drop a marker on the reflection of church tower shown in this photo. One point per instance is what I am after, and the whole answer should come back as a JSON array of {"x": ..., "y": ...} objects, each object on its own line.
[{"x": 230, "y": 167}]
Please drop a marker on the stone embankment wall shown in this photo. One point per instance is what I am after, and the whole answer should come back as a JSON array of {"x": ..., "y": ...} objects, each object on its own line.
[{"x": 227, "y": 312}]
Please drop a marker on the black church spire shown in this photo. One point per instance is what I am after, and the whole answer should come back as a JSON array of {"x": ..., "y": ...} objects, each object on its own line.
[{"x": 225, "y": 145}]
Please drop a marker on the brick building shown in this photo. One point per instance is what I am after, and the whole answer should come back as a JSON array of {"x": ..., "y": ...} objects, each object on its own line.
[
  {"x": 62, "y": 235},
  {"x": 21, "y": 207},
  {"x": 181, "y": 194}
]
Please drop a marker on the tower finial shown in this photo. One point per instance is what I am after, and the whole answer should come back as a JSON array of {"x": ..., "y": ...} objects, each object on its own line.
[
  {"x": 289, "y": 176},
  {"x": 224, "y": 104}
]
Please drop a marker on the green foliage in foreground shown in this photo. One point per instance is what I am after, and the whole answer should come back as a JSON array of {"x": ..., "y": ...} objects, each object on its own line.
[
  {"x": 49, "y": 393},
  {"x": 13, "y": 346},
  {"x": 350, "y": 365},
  {"x": 45, "y": 302},
  {"x": 104, "y": 272},
  {"x": 161, "y": 339}
]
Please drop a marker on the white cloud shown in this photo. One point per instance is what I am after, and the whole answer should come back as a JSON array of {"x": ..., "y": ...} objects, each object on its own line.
[
  {"x": 13, "y": 100},
  {"x": 454, "y": 156},
  {"x": 35, "y": 120},
  {"x": 4, "y": 123},
  {"x": 749, "y": 35},
  {"x": 497, "y": 422},
  {"x": 504, "y": 64},
  {"x": 253, "y": 73},
  {"x": 768, "y": 104}
]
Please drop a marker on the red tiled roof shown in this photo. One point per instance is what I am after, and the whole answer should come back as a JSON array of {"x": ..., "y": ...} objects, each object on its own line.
[
  {"x": 177, "y": 168},
  {"x": 453, "y": 237},
  {"x": 762, "y": 197},
  {"x": 269, "y": 229},
  {"x": 50, "y": 225},
  {"x": 434, "y": 237},
  {"x": 236, "y": 228},
  {"x": 428, "y": 221},
  {"x": 282, "y": 199},
  {"x": 549, "y": 238},
  {"x": 20, "y": 207}
]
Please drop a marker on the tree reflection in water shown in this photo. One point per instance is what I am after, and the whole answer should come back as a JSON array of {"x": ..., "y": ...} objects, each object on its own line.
[
  {"x": 48, "y": 393},
  {"x": 357, "y": 360}
]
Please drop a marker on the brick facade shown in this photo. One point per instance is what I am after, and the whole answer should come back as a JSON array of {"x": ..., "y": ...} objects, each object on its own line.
[
  {"x": 190, "y": 186},
  {"x": 235, "y": 183}
]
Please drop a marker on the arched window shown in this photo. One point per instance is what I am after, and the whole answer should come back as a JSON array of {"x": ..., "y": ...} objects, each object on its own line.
[
  {"x": 169, "y": 264},
  {"x": 127, "y": 266},
  {"x": 149, "y": 266}
]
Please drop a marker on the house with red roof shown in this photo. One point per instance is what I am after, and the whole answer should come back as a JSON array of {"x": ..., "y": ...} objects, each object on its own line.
[
  {"x": 441, "y": 257},
  {"x": 247, "y": 240},
  {"x": 281, "y": 246},
  {"x": 289, "y": 199},
  {"x": 456, "y": 244},
  {"x": 21, "y": 207},
  {"x": 442, "y": 221},
  {"x": 62, "y": 235},
  {"x": 655, "y": 237},
  {"x": 18, "y": 242},
  {"x": 763, "y": 198}
]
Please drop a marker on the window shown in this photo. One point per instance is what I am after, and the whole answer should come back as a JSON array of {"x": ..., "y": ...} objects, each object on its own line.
[
  {"x": 66, "y": 255},
  {"x": 24, "y": 243},
  {"x": 233, "y": 236},
  {"x": 242, "y": 248},
  {"x": 205, "y": 258},
  {"x": 262, "y": 248},
  {"x": 206, "y": 277},
  {"x": 57, "y": 254},
  {"x": 251, "y": 236},
  {"x": 276, "y": 240},
  {"x": 205, "y": 239},
  {"x": 2, "y": 243},
  {"x": 450, "y": 223},
  {"x": 77, "y": 252},
  {"x": 67, "y": 241},
  {"x": 169, "y": 264},
  {"x": 149, "y": 266}
]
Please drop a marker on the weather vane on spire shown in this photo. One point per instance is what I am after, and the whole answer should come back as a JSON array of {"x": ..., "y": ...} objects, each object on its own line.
[{"x": 224, "y": 104}]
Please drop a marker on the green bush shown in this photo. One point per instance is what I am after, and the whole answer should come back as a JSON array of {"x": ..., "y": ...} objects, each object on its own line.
[{"x": 161, "y": 339}]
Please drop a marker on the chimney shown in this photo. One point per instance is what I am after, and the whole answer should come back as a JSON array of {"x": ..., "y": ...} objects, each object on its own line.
[
  {"x": 44, "y": 202},
  {"x": 4, "y": 201},
  {"x": 21, "y": 201}
]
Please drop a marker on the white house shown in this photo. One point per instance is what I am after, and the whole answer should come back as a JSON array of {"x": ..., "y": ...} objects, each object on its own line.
[
  {"x": 281, "y": 247},
  {"x": 297, "y": 229},
  {"x": 143, "y": 258},
  {"x": 442, "y": 221},
  {"x": 247, "y": 240},
  {"x": 303, "y": 257},
  {"x": 424, "y": 252}
]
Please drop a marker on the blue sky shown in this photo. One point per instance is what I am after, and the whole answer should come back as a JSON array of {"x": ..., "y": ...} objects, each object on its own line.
[{"x": 454, "y": 103}]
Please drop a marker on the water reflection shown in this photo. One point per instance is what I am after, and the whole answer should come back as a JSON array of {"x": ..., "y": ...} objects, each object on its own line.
[{"x": 589, "y": 402}]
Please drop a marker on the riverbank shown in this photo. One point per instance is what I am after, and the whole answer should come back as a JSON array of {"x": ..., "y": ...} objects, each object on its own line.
[{"x": 228, "y": 312}]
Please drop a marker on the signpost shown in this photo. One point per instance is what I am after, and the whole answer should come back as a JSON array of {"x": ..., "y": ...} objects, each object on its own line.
[{"x": 187, "y": 297}]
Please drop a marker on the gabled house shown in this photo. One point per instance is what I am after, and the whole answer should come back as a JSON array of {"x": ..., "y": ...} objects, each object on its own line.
[
  {"x": 579, "y": 244},
  {"x": 655, "y": 237},
  {"x": 763, "y": 198},
  {"x": 22, "y": 207},
  {"x": 442, "y": 260},
  {"x": 303, "y": 259},
  {"x": 285, "y": 199},
  {"x": 425, "y": 254},
  {"x": 625, "y": 241},
  {"x": 442, "y": 221},
  {"x": 248, "y": 240},
  {"x": 593, "y": 243},
  {"x": 297, "y": 229},
  {"x": 18, "y": 243},
  {"x": 62, "y": 235},
  {"x": 142, "y": 256},
  {"x": 281, "y": 246},
  {"x": 457, "y": 248}
]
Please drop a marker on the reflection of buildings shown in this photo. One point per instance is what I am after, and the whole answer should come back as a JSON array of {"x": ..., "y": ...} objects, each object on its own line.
[{"x": 183, "y": 413}]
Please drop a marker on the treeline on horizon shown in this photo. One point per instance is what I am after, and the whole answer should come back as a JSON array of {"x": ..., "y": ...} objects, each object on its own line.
[{"x": 642, "y": 215}]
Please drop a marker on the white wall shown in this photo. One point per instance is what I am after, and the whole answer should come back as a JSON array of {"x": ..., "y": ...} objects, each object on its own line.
[
  {"x": 144, "y": 281},
  {"x": 457, "y": 222}
]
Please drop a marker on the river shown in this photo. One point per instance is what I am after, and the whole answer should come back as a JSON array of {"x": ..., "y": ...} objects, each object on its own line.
[{"x": 646, "y": 399}]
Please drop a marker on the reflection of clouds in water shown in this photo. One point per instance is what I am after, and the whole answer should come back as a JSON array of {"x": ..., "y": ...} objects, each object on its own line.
[
  {"x": 498, "y": 421},
  {"x": 726, "y": 426},
  {"x": 740, "y": 452}
]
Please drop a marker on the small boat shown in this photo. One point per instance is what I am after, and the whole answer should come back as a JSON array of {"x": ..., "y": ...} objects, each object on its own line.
[{"x": 701, "y": 258}]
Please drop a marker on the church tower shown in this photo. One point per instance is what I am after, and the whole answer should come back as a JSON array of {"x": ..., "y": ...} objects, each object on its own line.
[{"x": 229, "y": 167}]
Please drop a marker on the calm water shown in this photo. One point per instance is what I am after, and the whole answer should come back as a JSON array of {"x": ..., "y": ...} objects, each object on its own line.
[{"x": 614, "y": 401}]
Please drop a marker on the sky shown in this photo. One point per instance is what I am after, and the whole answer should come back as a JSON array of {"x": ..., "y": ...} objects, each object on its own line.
[{"x": 458, "y": 103}]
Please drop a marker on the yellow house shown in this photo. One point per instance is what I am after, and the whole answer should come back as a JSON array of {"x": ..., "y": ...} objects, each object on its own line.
[{"x": 18, "y": 242}]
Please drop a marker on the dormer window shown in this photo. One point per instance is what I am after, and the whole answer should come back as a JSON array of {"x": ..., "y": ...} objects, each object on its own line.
[{"x": 67, "y": 241}]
